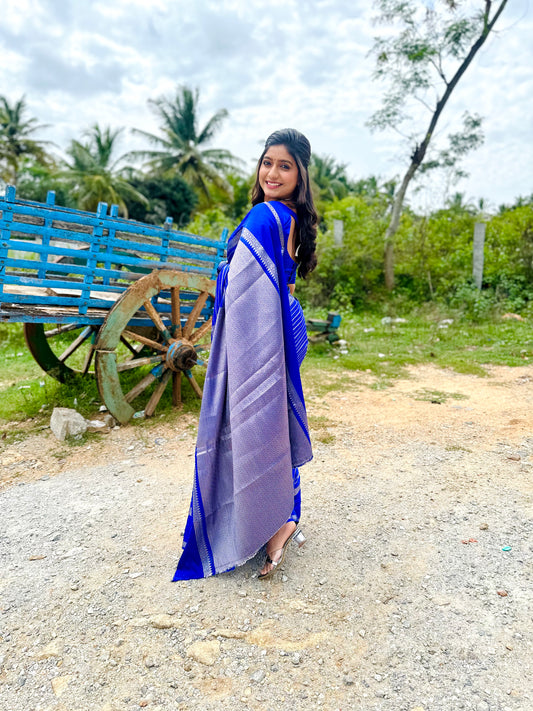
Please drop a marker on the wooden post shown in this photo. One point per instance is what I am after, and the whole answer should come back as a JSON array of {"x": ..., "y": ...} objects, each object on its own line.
[
  {"x": 477, "y": 260},
  {"x": 338, "y": 233}
]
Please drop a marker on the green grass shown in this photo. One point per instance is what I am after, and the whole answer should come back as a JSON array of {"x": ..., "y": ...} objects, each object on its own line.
[
  {"x": 385, "y": 349},
  {"x": 27, "y": 392},
  {"x": 379, "y": 350},
  {"x": 438, "y": 396}
]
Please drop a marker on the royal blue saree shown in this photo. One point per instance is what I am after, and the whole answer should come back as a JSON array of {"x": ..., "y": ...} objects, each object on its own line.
[{"x": 253, "y": 431}]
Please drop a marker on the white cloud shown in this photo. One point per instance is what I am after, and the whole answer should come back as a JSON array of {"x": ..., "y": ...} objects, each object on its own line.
[{"x": 271, "y": 64}]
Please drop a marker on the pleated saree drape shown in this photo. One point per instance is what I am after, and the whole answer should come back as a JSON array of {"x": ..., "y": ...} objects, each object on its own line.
[{"x": 253, "y": 428}]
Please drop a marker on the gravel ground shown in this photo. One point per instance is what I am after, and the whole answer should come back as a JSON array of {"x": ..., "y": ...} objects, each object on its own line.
[{"x": 413, "y": 592}]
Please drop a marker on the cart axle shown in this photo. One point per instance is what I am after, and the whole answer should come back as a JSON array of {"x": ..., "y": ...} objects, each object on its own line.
[{"x": 181, "y": 355}]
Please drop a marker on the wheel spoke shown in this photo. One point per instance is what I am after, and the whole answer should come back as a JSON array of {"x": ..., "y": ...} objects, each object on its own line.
[
  {"x": 137, "y": 362},
  {"x": 142, "y": 339},
  {"x": 156, "y": 318},
  {"x": 128, "y": 346},
  {"x": 65, "y": 328},
  {"x": 176, "y": 389},
  {"x": 176, "y": 312},
  {"x": 84, "y": 335},
  {"x": 193, "y": 316},
  {"x": 156, "y": 395},
  {"x": 140, "y": 387},
  {"x": 88, "y": 360},
  {"x": 204, "y": 328},
  {"x": 190, "y": 377}
]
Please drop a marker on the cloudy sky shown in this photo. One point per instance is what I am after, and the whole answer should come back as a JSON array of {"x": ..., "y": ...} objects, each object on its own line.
[{"x": 301, "y": 63}]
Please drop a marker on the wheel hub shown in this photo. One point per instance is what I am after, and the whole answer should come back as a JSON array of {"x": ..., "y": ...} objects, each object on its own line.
[{"x": 181, "y": 355}]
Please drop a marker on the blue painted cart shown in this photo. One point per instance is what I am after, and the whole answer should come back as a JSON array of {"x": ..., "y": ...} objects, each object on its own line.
[{"x": 100, "y": 295}]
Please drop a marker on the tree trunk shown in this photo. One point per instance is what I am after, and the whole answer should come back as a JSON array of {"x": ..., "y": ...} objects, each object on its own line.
[{"x": 420, "y": 150}]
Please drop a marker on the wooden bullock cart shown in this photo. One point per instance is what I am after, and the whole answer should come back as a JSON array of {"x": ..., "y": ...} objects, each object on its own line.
[{"x": 100, "y": 295}]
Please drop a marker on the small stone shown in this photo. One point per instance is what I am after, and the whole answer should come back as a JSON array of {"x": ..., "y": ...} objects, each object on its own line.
[
  {"x": 59, "y": 684},
  {"x": 258, "y": 676},
  {"x": 362, "y": 633},
  {"x": 96, "y": 425},
  {"x": 162, "y": 622},
  {"x": 242, "y": 593},
  {"x": 378, "y": 677},
  {"x": 52, "y": 649},
  {"x": 322, "y": 581},
  {"x": 296, "y": 658},
  {"x": 228, "y": 633},
  {"x": 66, "y": 422},
  {"x": 205, "y": 652},
  {"x": 502, "y": 593},
  {"x": 483, "y": 526},
  {"x": 348, "y": 680},
  {"x": 151, "y": 662},
  {"x": 109, "y": 420}
]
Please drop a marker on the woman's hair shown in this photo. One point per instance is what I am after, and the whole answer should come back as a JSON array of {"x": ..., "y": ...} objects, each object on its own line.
[{"x": 300, "y": 149}]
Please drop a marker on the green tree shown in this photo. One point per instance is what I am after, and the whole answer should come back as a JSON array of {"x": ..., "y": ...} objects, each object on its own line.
[
  {"x": 328, "y": 178},
  {"x": 16, "y": 140},
  {"x": 94, "y": 175},
  {"x": 423, "y": 63},
  {"x": 166, "y": 197},
  {"x": 182, "y": 146}
]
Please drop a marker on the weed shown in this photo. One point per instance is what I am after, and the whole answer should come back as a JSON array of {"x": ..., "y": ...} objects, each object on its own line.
[{"x": 438, "y": 396}]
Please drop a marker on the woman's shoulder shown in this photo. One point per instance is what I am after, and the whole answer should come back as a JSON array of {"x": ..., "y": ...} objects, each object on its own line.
[
  {"x": 261, "y": 214},
  {"x": 272, "y": 212}
]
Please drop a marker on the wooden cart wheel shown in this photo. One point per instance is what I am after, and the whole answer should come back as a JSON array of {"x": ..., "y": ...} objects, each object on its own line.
[
  {"x": 136, "y": 384},
  {"x": 62, "y": 350},
  {"x": 67, "y": 350}
]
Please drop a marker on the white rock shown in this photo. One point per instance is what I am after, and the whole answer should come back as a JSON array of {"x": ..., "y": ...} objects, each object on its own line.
[
  {"x": 65, "y": 422},
  {"x": 205, "y": 652}
]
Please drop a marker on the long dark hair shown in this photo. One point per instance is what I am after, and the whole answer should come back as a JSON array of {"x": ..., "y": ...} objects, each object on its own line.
[{"x": 300, "y": 149}]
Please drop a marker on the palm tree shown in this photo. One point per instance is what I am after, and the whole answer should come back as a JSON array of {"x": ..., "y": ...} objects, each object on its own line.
[
  {"x": 94, "y": 175},
  {"x": 329, "y": 177},
  {"x": 182, "y": 146},
  {"x": 16, "y": 144},
  {"x": 456, "y": 203}
]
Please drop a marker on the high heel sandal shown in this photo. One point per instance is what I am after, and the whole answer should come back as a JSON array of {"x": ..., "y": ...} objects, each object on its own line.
[{"x": 298, "y": 537}]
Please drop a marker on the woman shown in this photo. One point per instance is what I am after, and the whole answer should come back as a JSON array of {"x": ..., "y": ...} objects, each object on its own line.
[{"x": 253, "y": 432}]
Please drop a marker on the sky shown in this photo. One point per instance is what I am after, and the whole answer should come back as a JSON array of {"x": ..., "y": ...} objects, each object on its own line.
[{"x": 299, "y": 63}]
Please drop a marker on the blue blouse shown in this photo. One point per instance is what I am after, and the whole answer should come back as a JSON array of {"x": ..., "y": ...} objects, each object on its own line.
[{"x": 289, "y": 265}]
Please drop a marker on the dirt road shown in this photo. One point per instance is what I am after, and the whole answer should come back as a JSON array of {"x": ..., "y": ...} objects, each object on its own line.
[{"x": 414, "y": 591}]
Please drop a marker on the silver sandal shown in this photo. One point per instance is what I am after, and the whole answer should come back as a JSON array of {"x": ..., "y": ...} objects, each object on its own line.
[{"x": 298, "y": 537}]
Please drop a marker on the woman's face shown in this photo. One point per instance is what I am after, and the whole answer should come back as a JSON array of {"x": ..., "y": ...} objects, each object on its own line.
[{"x": 278, "y": 174}]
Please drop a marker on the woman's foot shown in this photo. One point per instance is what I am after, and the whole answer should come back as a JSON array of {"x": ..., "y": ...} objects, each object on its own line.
[{"x": 276, "y": 548}]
